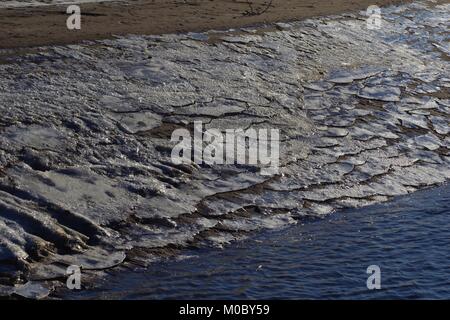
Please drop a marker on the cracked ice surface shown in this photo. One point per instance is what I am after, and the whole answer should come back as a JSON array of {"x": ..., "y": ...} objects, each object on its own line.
[{"x": 85, "y": 171}]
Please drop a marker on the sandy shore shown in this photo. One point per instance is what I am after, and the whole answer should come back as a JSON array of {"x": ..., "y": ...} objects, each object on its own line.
[
  {"x": 35, "y": 26},
  {"x": 87, "y": 175}
]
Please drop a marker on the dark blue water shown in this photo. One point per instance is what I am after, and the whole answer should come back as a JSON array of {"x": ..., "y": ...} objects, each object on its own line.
[{"x": 408, "y": 238}]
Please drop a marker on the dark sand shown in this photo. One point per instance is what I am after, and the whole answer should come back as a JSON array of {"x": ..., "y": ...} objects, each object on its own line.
[{"x": 24, "y": 27}]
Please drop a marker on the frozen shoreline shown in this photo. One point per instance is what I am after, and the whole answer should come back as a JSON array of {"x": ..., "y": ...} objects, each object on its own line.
[
  {"x": 85, "y": 171},
  {"x": 37, "y": 3},
  {"x": 46, "y": 25},
  {"x": 317, "y": 259}
]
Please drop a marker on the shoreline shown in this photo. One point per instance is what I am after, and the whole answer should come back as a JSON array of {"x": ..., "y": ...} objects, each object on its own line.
[
  {"x": 87, "y": 176},
  {"x": 46, "y": 25},
  {"x": 318, "y": 236}
]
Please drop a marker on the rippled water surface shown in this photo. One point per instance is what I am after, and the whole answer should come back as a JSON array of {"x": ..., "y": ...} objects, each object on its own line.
[{"x": 324, "y": 258}]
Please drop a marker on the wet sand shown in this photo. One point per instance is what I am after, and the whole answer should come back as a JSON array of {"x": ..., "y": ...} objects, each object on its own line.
[
  {"x": 36, "y": 26},
  {"x": 87, "y": 176}
]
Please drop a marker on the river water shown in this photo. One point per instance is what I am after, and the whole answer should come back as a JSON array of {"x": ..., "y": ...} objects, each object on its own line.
[
  {"x": 408, "y": 238},
  {"x": 37, "y": 3}
]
